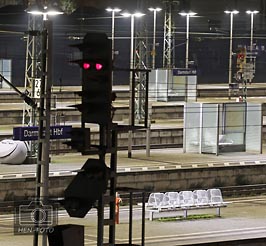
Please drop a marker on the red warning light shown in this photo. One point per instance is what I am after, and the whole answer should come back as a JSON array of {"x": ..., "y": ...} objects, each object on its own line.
[
  {"x": 98, "y": 66},
  {"x": 86, "y": 65}
]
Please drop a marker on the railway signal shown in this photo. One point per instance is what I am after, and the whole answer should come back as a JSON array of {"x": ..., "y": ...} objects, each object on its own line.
[
  {"x": 80, "y": 139},
  {"x": 96, "y": 95},
  {"x": 86, "y": 188},
  {"x": 96, "y": 66},
  {"x": 241, "y": 60}
]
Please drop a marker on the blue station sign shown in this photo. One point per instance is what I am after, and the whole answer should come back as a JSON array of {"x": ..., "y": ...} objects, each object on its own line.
[
  {"x": 30, "y": 133},
  {"x": 184, "y": 72}
]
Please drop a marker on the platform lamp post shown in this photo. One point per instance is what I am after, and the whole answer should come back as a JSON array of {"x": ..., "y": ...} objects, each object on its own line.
[
  {"x": 153, "y": 53},
  {"x": 132, "y": 66},
  {"x": 154, "y": 10},
  {"x": 42, "y": 168},
  {"x": 187, "y": 15},
  {"x": 132, "y": 17},
  {"x": 113, "y": 11},
  {"x": 251, "y": 13},
  {"x": 231, "y": 13}
]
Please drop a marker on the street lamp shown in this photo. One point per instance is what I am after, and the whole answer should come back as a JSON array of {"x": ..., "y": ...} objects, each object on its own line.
[
  {"x": 137, "y": 15},
  {"x": 45, "y": 11},
  {"x": 132, "y": 15},
  {"x": 232, "y": 13},
  {"x": 42, "y": 168},
  {"x": 113, "y": 11},
  {"x": 154, "y": 10},
  {"x": 188, "y": 15},
  {"x": 251, "y": 13}
]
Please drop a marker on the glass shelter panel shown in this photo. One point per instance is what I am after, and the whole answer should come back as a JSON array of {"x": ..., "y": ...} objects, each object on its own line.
[
  {"x": 254, "y": 128},
  {"x": 192, "y": 129},
  {"x": 234, "y": 122},
  {"x": 191, "y": 90},
  {"x": 209, "y": 128},
  {"x": 178, "y": 88},
  {"x": 162, "y": 85},
  {"x": 5, "y": 70},
  {"x": 153, "y": 85}
]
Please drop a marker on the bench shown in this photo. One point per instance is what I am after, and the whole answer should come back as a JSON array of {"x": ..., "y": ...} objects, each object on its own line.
[
  {"x": 222, "y": 141},
  {"x": 185, "y": 201}
]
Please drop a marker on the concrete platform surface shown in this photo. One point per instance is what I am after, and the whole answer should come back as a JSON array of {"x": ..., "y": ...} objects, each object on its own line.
[
  {"x": 243, "y": 218},
  {"x": 158, "y": 159}
]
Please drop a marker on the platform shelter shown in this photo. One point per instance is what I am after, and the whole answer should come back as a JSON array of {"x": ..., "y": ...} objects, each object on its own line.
[
  {"x": 175, "y": 84},
  {"x": 224, "y": 127}
]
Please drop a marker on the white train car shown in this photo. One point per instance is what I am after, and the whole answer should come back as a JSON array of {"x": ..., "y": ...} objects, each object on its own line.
[{"x": 13, "y": 151}]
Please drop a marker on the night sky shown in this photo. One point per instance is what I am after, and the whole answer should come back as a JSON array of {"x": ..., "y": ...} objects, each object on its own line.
[{"x": 208, "y": 44}]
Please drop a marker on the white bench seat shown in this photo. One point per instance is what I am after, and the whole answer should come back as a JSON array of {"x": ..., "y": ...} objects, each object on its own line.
[{"x": 184, "y": 201}]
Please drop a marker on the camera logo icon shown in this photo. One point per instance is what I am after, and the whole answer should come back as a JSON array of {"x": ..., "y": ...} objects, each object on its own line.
[
  {"x": 35, "y": 213},
  {"x": 34, "y": 216}
]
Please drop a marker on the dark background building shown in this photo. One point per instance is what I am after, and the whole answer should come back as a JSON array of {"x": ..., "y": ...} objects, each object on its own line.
[{"x": 209, "y": 36}]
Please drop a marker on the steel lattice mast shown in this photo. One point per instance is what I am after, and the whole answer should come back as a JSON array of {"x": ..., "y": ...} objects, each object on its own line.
[
  {"x": 141, "y": 61},
  {"x": 168, "y": 47},
  {"x": 32, "y": 70},
  {"x": 140, "y": 77},
  {"x": 32, "y": 64}
]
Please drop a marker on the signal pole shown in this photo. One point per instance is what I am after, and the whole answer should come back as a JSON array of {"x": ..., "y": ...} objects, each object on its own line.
[
  {"x": 96, "y": 108},
  {"x": 42, "y": 168}
]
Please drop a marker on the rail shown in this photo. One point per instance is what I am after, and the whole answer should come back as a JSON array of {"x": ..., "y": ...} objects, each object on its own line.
[
  {"x": 228, "y": 191},
  {"x": 243, "y": 190}
]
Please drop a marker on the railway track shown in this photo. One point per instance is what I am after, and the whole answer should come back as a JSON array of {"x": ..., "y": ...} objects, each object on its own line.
[
  {"x": 228, "y": 192},
  {"x": 165, "y": 233},
  {"x": 243, "y": 190}
]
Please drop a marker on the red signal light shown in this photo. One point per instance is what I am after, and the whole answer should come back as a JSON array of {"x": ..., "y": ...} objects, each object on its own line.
[
  {"x": 86, "y": 65},
  {"x": 98, "y": 66}
]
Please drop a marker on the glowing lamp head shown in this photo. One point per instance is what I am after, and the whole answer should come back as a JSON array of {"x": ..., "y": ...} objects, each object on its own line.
[
  {"x": 98, "y": 66},
  {"x": 86, "y": 65}
]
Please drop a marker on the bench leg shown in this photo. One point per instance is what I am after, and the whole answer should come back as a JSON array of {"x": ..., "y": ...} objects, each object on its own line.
[
  {"x": 218, "y": 212},
  {"x": 185, "y": 213},
  {"x": 151, "y": 216}
]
